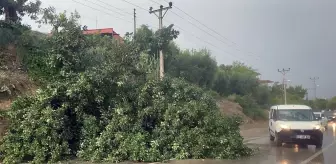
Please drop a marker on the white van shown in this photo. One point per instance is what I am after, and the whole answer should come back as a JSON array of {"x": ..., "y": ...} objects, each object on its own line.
[{"x": 294, "y": 124}]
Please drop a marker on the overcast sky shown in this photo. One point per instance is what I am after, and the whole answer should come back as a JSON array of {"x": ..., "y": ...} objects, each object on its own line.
[{"x": 267, "y": 35}]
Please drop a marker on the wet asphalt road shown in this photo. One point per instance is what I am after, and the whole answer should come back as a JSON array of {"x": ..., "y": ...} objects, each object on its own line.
[{"x": 293, "y": 154}]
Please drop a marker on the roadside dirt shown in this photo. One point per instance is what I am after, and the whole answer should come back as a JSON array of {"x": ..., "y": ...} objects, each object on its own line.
[
  {"x": 257, "y": 129},
  {"x": 229, "y": 108},
  {"x": 13, "y": 82},
  {"x": 250, "y": 128}
]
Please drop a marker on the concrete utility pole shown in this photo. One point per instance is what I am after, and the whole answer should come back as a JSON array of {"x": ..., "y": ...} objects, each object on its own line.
[
  {"x": 315, "y": 86},
  {"x": 283, "y": 72},
  {"x": 134, "y": 23},
  {"x": 96, "y": 22},
  {"x": 308, "y": 89},
  {"x": 160, "y": 16}
]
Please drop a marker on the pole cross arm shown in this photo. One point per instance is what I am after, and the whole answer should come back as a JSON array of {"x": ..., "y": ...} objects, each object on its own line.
[{"x": 157, "y": 10}]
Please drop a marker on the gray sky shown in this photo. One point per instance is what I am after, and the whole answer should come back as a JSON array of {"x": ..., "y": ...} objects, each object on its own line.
[{"x": 267, "y": 35}]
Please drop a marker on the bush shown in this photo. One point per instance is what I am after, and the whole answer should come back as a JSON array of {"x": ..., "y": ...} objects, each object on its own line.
[
  {"x": 159, "y": 121},
  {"x": 98, "y": 104},
  {"x": 250, "y": 107},
  {"x": 214, "y": 94}
]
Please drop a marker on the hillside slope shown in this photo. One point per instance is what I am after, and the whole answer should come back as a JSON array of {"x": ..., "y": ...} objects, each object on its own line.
[
  {"x": 227, "y": 107},
  {"x": 13, "y": 83}
]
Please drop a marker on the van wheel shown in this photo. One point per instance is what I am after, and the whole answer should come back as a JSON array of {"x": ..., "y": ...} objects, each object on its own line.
[
  {"x": 277, "y": 140},
  {"x": 271, "y": 138},
  {"x": 319, "y": 144},
  {"x": 303, "y": 145}
]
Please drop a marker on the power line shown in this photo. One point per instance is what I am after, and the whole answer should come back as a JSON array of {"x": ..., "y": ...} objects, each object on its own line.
[
  {"x": 204, "y": 26},
  {"x": 115, "y": 7},
  {"x": 135, "y": 5},
  {"x": 209, "y": 43},
  {"x": 184, "y": 31},
  {"x": 105, "y": 7},
  {"x": 200, "y": 28},
  {"x": 195, "y": 25},
  {"x": 194, "y": 34},
  {"x": 101, "y": 11},
  {"x": 158, "y": 2}
]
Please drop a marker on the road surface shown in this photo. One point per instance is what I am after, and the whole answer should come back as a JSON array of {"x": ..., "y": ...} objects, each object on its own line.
[{"x": 293, "y": 154}]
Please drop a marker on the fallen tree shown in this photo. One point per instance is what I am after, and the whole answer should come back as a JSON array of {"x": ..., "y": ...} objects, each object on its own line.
[{"x": 98, "y": 103}]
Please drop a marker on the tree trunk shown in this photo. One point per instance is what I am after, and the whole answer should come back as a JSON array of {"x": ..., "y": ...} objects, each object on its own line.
[{"x": 10, "y": 13}]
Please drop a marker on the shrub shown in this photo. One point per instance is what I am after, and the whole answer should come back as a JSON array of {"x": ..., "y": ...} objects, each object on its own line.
[
  {"x": 98, "y": 104},
  {"x": 250, "y": 107},
  {"x": 159, "y": 121},
  {"x": 214, "y": 94}
]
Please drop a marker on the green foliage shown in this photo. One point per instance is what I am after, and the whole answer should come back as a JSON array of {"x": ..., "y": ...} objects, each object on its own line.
[
  {"x": 250, "y": 107},
  {"x": 164, "y": 126},
  {"x": 12, "y": 33},
  {"x": 99, "y": 102},
  {"x": 37, "y": 131},
  {"x": 235, "y": 79},
  {"x": 197, "y": 67},
  {"x": 297, "y": 90},
  {"x": 321, "y": 104},
  {"x": 152, "y": 122},
  {"x": 332, "y": 103},
  {"x": 15, "y": 10},
  {"x": 263, "y": 96},
  {"x": 295, "y": 95},
  {"x": 221, "y": 82},
  {"x": 151, "y": 42}
]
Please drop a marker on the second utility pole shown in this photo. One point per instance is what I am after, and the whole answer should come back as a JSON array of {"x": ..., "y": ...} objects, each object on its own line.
[
  {"x": 160, "y": 16},
  {"x": 134, "y": 22},
  {"x": 283, "y": 72},
  {"x": 315, "y": 86}
]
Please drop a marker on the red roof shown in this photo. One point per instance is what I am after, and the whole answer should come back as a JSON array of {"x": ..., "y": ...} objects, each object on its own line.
[
  {"x": 115, "y": 35},
  {"x": 265, "y": 81},
  {"x": 99, "y": 31}
]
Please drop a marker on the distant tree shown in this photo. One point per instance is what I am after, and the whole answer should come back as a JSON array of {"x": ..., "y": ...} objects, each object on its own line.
[
  {"x": 239, "y": 67},
  {"x": 196, "y": 66},
  {"x": 15, "y": 10},
  {"x": 332, "y": 103},
  {"x": 263, "y": 95},
  {"x": 151, "y": 42},
  {"x": 221, "y": 82},
  {"x": 321, "y": 103},
  {"x": 297, "y": 90}
]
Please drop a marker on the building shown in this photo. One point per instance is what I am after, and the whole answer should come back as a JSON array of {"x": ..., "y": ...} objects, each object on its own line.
[
  {"x": 105, "y": 32},
  {"x": 265, "y": 81},
  {"x": 102, "y": 32}
]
